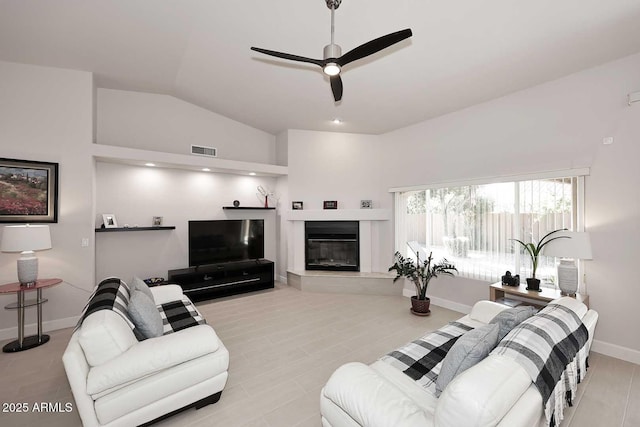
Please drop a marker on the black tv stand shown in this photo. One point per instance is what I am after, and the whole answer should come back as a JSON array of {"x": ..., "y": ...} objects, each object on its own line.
[{"x": 220, "y": 280}]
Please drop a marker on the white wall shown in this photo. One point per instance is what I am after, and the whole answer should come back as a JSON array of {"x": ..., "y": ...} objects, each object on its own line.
[
  {"x": 136, "y": 194},
  {"x": 46, "y": 115},
  {"x": 557, "y": 125},
  {"x": 163, "y": 123}
]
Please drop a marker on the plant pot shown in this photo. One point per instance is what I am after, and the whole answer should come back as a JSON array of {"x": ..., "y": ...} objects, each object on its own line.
[
  {"x": 420, "y": 307},
  {"x": 533, "y": 284}
]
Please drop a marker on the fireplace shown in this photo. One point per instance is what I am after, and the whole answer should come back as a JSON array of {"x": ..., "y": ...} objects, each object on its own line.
[{"x": 332, "y": 245}]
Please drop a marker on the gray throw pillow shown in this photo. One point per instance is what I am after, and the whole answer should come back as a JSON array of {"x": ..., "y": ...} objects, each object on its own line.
[
  {"x": 145, "y": 315},
  {"x": 139, "y": 284},
  {"x": 512, "y": 317},
  {"x": 468, "y": 350}
]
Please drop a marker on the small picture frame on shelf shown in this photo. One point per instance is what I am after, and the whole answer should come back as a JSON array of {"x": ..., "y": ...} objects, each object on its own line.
[
  {"x": 109, "y": 221},
  {"x": 297, "y": 206},
  {"x": 157, "y": 221},
  {"x": 366, "y": 204},
  {"x": 330, "y": 204}
]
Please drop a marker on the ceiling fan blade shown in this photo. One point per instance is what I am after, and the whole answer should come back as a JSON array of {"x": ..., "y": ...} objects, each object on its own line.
[
  {"x": 374, "y": 46},
  {"x": 289, "y": 56},
  {"x": 336, "y": 87}
]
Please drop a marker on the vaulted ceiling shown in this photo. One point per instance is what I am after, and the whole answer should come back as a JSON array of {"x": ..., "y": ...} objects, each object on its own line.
[{"x": 462, "y": 52}]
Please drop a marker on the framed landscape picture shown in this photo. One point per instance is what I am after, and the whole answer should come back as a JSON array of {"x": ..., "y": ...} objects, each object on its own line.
[{"x": 28, "y": 191}]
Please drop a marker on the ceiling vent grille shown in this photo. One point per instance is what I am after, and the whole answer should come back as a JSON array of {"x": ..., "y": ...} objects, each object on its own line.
[{"x": 200, "y": 150}]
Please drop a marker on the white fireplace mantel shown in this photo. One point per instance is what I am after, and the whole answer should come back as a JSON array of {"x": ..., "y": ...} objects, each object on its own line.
[
  {"x": 365, "y": 217},
  {"x": 339, "y": 215}
]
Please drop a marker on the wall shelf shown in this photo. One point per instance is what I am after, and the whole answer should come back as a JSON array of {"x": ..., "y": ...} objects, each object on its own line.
[
  {"x": 246, "y": 208},
  {"x": 107, "y": 230}
]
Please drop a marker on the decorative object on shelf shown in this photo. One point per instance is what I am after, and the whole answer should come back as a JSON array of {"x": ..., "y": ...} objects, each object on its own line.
[
  {"x": 109, "y": 221},
  {"x": 576, "y": 247},
  {"x": 509, "y": 280},
  {"x": 236, "y": 203},
  {"x": 420, "y": 274},
  {"x": 366, "y": 204},
  {"x": 330, "y": 204},
  {"x": 297, "y": 206},
  {"x": 263, "y": 195},
  {"x": 157, "y": 221},
  {"x": 154, "y": 281},
  {"x": 534, "y": 252},
  {"x": 34, "y": 191},
  {"x": 26, "y": 239}
]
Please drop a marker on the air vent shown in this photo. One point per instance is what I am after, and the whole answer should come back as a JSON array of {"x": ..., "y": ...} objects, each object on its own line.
[{"x": 200, "y": 150}]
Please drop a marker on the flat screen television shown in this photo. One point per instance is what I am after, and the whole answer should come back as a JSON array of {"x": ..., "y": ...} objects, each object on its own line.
[{"x": 218, "y": 241}]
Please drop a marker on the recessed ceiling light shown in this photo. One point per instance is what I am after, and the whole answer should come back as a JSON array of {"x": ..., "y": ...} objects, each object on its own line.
[
  {"x": 150, "y": 164},
  {"x": 252, "y": 173},
  {"x": 206, "y": 170},
  {"x": 336, "y": 121}
]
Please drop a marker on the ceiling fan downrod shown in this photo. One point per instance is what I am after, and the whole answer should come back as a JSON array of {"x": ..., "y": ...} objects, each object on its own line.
[{"x": 332, "y": 51}]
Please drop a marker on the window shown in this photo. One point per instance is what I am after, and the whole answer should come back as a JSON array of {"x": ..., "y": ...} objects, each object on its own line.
[{"x": 473, "y": 225}]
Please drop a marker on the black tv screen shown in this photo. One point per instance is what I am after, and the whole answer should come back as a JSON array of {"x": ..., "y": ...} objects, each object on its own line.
[{"x": 217, "y": 241}]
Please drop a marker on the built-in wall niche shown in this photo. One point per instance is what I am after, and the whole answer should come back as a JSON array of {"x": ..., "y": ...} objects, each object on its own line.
[{"x": 135, "y": 194}]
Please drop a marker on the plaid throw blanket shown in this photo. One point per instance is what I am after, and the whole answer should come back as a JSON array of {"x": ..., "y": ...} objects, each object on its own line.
[
  {"x": 178, "y": 315},
  {"x": 550, "y": 346},
  {"x": 110, "y": 294},
  {"x": 421, "y": 359}
]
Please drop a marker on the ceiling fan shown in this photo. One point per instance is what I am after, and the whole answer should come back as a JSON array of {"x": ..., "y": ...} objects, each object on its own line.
[{"x": 333, "y": 60}]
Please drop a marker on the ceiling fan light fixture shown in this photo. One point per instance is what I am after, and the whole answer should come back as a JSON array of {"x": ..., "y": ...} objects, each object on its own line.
[
  {"x": 331, "y": 69},
  {"x": 333, "y": 59}
]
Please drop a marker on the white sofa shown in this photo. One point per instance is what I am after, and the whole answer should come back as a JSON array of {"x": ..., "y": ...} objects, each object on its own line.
[
  {"x": 495, "y": 392},
  {"x": 117, "y": 380}
]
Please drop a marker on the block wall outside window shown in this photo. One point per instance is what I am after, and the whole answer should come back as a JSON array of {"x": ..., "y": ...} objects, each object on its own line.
[{"x": 472, "y": 225}]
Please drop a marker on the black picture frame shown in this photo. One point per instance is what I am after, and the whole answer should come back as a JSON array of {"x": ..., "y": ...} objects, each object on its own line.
[
  {"x": 28, "y": 191},
  {"x": 297, "y": 205},
  {"x": 330, "y": 204}
]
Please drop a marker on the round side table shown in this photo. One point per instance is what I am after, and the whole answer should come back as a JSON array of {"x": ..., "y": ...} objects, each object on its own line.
[{"x": 25, "y": 343}]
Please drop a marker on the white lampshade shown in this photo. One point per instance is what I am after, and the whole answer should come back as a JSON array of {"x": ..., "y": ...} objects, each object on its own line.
[
  {"x": 20, "y": 238},
  {"x": 26, "y": 239},
  {"x": 578, "y": 246}
]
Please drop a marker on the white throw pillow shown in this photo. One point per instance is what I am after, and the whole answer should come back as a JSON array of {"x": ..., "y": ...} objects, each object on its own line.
[
  {"x": 145, "y": 315},
  {"x": 467, "y": 351}
]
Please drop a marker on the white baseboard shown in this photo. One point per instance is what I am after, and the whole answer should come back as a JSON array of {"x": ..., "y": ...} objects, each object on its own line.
[
  {"x": 441, "y": 302},
  {"x": 616, "y": 351},
  {"x": 282, "y": 279},
  {"x": 32, "y": 329}
]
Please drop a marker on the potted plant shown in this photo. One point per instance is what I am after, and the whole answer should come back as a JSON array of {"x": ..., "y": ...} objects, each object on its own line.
[
  {"x": 534, "y": 251},
  {"x": 420, "y": 275}
]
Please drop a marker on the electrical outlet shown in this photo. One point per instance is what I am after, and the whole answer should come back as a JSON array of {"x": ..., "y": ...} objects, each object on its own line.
[
  {"x": 608, "y": 140},
  {"x": 85, "y": 242}
]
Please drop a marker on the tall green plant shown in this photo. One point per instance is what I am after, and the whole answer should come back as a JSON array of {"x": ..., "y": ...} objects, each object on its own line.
[
  {"x": 534, "y": 250},
  {"x": 421, "y": 274}
]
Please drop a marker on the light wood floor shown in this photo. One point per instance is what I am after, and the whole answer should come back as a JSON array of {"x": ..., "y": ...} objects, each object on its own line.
[{"x": 284, "y": 344}]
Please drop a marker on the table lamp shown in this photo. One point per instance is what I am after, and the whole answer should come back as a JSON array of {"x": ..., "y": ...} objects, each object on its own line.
[
  {"x": 26, "y": 239},
  {"x": 576, "y": 247}
]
